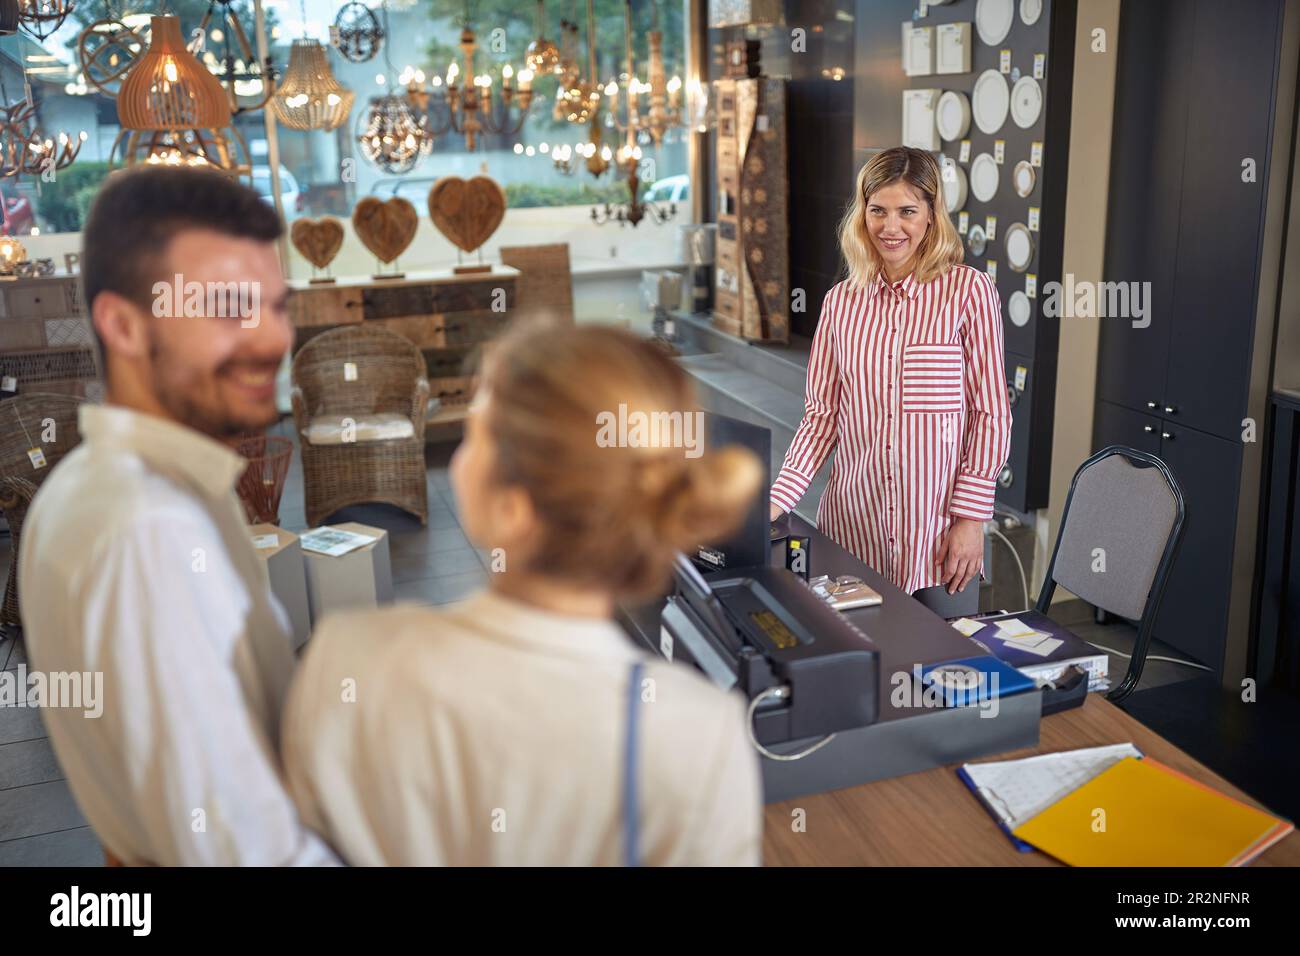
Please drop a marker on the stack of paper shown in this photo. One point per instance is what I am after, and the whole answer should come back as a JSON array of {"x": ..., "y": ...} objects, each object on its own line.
[{"x": 1036, "y": 646}]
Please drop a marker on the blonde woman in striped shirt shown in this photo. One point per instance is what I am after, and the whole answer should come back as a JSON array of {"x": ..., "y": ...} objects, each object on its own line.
[{"x": 906, "y": 381}]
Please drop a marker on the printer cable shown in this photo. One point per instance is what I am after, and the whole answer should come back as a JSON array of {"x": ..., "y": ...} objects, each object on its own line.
[{"x": 778, "y": 693}]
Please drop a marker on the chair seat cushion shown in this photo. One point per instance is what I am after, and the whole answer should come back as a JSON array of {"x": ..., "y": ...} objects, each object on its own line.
[{"x": 376, "y": 426}]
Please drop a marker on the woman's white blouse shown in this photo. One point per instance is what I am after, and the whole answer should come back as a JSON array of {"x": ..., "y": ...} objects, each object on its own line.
[{"x": 491, "y": 732}]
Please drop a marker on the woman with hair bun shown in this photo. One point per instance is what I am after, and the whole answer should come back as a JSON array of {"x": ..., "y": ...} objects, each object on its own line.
[
  {"x": 906, "y": 381},
  {"x": 523, "y": 727}
]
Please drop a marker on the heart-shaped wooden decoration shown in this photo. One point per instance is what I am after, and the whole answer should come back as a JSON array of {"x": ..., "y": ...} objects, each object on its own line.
[
  {"x": 317, "y": 239},
  {"x": 467, "y": 211},
  {"x": 386, "y": 227}
]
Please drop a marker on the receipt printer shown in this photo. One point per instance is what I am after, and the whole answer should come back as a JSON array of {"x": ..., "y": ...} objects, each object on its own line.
[{"x": 762, "y": 628}]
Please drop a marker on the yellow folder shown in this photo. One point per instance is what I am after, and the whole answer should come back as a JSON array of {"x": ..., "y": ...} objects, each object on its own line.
[{"x": 1142, "y": 813}]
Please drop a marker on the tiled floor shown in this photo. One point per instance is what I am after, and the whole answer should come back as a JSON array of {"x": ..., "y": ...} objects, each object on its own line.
[{"x": 39, "y": 820}]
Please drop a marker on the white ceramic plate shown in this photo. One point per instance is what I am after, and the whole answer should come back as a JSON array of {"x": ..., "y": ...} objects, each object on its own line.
[
  {"x": 1020, "y": 246},
  {"x": 954, "y": 185},
  {"x": 984, "y": 177},
  {"x": 1026, "y": 102},
  {"x": 975, "y": 238},
  {"x": 1019, "y": 309},
  {"x": 1030, "y": 11},
  {"x": 993, "y": 19},
  {"x": 1023, "y": 179},
  {"x": 953, "y": 116},
  {"x": 990, "y": 100}
]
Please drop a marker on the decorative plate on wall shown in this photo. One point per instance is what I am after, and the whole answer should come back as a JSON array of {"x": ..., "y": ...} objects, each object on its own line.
[
  {"x": 953, "y": 116},
  {"x": 1023, "y": 178},
  {"x": 1020, "y": 246},
  {"x": 1019, "y": 309},
  {"x": 990, "y": 100},
  {"x": 993, "y": 19},
  {"x": 1026, "y": 102},
  {"x": 984, "y": 177},
  {"x": 1030, "y": 11},
  {"x": 954, "y": 185},
  {"x": 975, "y": 239}
]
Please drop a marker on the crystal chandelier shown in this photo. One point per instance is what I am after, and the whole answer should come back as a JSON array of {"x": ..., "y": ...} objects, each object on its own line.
[
  {"x": 665, "y": 95},
  {"x": 470, "y": 104},
  {"x": 577, "y": 98},
  {"x": 309, "y": 96},
  {"x": 393, "y": 137}
]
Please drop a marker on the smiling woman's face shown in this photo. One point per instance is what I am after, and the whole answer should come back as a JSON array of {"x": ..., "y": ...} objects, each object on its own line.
[{"x": 897, "y": 219}]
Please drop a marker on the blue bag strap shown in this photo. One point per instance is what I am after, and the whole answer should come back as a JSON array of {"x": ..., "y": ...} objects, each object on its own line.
[{"x": 631, "y": 852}]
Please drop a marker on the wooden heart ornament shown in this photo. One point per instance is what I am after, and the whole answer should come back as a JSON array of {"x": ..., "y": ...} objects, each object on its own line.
[
  {"x": 467, "y": 211},
  {"x": 386, "y": 227},
  {"x": 318, "y": 240}
]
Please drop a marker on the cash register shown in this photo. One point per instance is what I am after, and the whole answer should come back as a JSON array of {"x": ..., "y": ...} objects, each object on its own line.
[{"x": 805, "y": 669}]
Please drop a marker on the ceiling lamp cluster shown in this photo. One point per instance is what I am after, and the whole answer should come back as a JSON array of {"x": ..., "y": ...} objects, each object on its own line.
[
  {"x": 577, "y": 98},
  {"x": 393, "y": 135}
]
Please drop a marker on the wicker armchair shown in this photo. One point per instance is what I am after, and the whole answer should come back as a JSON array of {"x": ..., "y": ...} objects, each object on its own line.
[
  {"x": 360, "y": 400},
  {"x": 24, "y": 422}
]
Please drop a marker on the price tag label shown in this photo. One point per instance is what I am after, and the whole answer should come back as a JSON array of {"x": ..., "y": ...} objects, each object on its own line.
[
  {"x": 1022, "y": 377},
  {"x": 263, "y": 541},
  {"x": 1031, "y": 285},
  {"x": 37, "y": 457},
  {"x": 8, "y": 384},
  {"x": 1035, "y": 154},
  {"x": 963, "y": 221},
  {"x": 999, "y": 151},
  {"x": 762, "y": 122},
  {"x": 1004, "y": 61},
  {"x": 665, "y": 643},
  {"x": 992, "y": 269},
  {"x": 1033, "y": 219},
  {"x": 963, "y": 151},
  {"x": 991, "y": 227},
  {"x": 349, "y": 371},
  {"x": 922, "y": 9},
  {"x": 1040, "y": 65}
]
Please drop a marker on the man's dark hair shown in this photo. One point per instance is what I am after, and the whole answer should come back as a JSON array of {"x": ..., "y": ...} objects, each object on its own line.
[{"x": 139, "y": 211}]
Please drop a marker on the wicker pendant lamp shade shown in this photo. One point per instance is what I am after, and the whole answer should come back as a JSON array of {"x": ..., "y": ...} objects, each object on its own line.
[
  {"x": 168, "y": 89},
  {"x": 310, "y": 97}
]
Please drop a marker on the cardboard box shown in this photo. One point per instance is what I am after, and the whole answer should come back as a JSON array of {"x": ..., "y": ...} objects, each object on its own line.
[
  {"x": 284, "y": 566},
  {"x": 361, "y": 578}
]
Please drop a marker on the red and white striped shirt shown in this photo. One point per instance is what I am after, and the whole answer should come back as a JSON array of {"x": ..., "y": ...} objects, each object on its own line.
[{"x": 908, "y": 381}]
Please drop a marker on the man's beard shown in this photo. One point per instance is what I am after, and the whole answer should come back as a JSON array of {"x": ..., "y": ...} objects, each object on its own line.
[{"x": 212, "y": 419}]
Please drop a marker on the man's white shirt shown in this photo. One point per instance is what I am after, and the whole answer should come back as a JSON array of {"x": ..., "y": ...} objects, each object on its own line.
[{"x": 136, "y": 562}]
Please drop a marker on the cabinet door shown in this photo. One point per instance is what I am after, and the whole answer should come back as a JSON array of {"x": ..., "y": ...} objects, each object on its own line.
[
  {"x": 1194, "y": 612},
  {"x": 1117, "y": 425},
  {"x": 1222, "y": 216},
  {"x": 1147, "y": 156}
]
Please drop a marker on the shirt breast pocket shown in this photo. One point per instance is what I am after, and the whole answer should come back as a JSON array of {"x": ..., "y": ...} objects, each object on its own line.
[{"x": 932, "y": 378}]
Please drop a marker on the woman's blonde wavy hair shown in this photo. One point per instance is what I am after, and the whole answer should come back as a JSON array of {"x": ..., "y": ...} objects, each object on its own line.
[{"x": 941, "y": 248}]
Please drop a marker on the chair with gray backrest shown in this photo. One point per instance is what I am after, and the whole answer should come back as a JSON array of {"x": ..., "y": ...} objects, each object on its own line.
[{"x": 1119, "y": 533}]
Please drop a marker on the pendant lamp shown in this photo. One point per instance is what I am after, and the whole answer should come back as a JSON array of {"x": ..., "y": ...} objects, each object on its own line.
[
  {"x": 310, "y": 97},
  {"x": 168, "y": 89}
]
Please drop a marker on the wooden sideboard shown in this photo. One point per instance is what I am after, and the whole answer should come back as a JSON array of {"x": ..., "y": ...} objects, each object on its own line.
[
  {"x": 447, "y": 316},
  {"x": 46, "y": 344}
]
